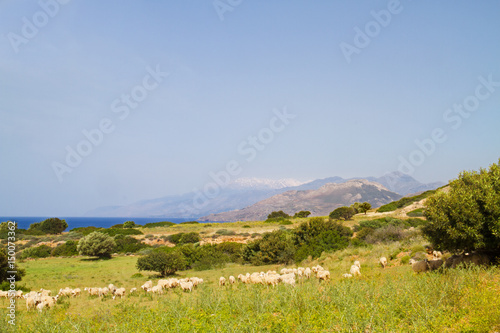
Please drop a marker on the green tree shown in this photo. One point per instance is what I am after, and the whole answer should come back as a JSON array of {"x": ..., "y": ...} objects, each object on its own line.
[
  {"x": 364, "y": 207},
  {"x": 52, "y": 225},
  {"x": 67, "y": 249},
  {"x": 161, "y": 262},
  {"x": 96, "y": 244},
  {"x": 129, "y": 224},
  {"x": 275, "y": 247},
  {"x": 278, "y": 215},
  {"x": 302, "y": 214},
  {"x": 342, "y": 213},
  {"x": 467, "y": 216}
]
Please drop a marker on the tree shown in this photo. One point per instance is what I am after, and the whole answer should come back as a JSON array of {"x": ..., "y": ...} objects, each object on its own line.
[
  {"x": 467, "y": 217},
  {"x": 302, "y": 214},
  {"x": 96, "y": 244},
  {"x": 129, "y": 224},
  {"x": 161, "y": 262},
  {"x": 6, "y": 265},
  {"x": 364, "y": 207},
  {"x": 278, "y": 215},
  {"x": 52, "y": 225},
  {"x": 342, "y": 213}
]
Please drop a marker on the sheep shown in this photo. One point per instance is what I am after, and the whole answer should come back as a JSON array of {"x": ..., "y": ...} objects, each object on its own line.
[
  {"x": 156, "y": 290},
  {"x": 272, "y": 280},
  {"x": 255, "y": 279},
  {"x": 232, "y": 280},
  {"x": 347, "y": 275},
  {"x": 323, "y": 275},
  {"x": 383, "y": 262},
  {"x": 307, "y": 273},
  {"x": 357, "y": 263},
  {"x": 31, "y": 302},
  {"x": 92, "y": 291},
  {"x": 45, "y": 292},
  {"x": 355, "y": 271},
  {"x": 119, "y": 292},
  {"x": 243, "y": 278},
  {"x": 76, "y": 292},
  {"x": 186, "y": 286},
  {"x": 437, "y": 254},
  {"x": 103, "y": 291},
  {"x": 4, "y": 294},
  {"x": 420, "y": 266},
  {"x": 65, "y": 292},
  {"x": 434, "y": 264},
  {"x": 289, "y": 280},
  {"x": 196, "y": 281},
  {"x": 112, "y": 288},
  {"x": 317, "y": 268},
  {"x": 147, "y": 285},
  {"x": 133, "y": 290},
  {"x": 412, "y": 261},
  {"x": 222, "y": 281},
  {"x": 18, "y": 294}
]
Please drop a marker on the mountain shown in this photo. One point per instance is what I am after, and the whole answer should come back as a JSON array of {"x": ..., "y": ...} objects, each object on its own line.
[
  {"x": 319, "y": 202},
  {"x": 244, "y": 192}
]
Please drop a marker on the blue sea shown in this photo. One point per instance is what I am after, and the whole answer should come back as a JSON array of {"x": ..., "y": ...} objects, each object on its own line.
[{"x": 76, "y": 222}]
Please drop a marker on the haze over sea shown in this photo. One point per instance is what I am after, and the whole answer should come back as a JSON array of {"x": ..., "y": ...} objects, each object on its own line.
[{"x": 77, "y": 222}]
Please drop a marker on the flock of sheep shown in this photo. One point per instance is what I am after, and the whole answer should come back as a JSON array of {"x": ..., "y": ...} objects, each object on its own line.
[{"x": 43, "y": 300}]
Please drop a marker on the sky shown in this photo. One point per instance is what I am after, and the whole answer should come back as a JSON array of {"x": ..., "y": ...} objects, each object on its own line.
[{"x": 110, "y": 102}]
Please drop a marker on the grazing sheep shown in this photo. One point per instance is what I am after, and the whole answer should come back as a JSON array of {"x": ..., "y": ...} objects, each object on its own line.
[
  {"x": 317, "y": 268},
  {"x": 289, "y": 280},
  {"x": 307, "y": 273},
  {"x": 133, "y": 290},
  {"x": 412, "y": 261},
  {"x": 232, "y": 280},
  {"x": 45, "y": 292},
  {"x": 76, "y": 292},
  {"x": 347, "y": 275},
  {"x": 4, "y": 294},
  {"x": 255, "y": 279},
  {"x": 65, "y": 292},
  {"x": 437, "y": 254},
  {"x": 112, "y": 288},
  {"x": 103, "y": 291},
  {"x": 420, "y": 266},
  {"x": 434, "y": 264},
  {"x": 222, "y": 281},
  {"x": 120, "y": 292},
  {"x": 186, "y": 286},
  {"x": 323, "y": 275},
  {"x": 355, "y": 271},
  {"x": 31, "y": 302},
  {"x": 272, "y": 280},
  {"x": 196, "y": 281},
  {"x": 357, "y": 263},
  {"x": 147, "y": 285},
  {"x": 383, "y": 262},
  {"x": 92, "y": 291}
]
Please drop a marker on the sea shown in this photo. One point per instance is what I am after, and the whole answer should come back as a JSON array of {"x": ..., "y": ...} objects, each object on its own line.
[{"x": 24, "y": 222}]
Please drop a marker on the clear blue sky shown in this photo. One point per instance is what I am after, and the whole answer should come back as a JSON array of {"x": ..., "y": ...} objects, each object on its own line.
[{"x": 66, "y": 67}]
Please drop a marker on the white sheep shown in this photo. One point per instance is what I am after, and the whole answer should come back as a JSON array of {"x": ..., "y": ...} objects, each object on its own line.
[
  {"x": 45, "y": 292},
  {"x": 196, "y": 281},
  {"x": 357, "y": 263},
  {"x": 76, "y": 292},
  {"x": 222, "y": 281},
  {"x": 347, "y": 275},
  {"x": 119, "y": 292},
  {"x": 383, "y": 262},
  {"x": 307, "y": 272},
  {"x": 133, "y": 290},
  {"x": 4, "y": 294},
  {"x": 289, "y": 280},
  {"x": 437, "y": 254},
  {"x": 355, "y": 271},
  {"x": 112, "y": 288},
  {"x": 272, "y": 280},
  {"x": 186, "y": 286},
  {"x": 147, "y": 285},
  {"x": 323, "y": 275},
  {"x": 232, "y": 280}
]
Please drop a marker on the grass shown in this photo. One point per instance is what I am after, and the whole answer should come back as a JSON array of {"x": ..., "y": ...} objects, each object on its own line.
[{"x": 382, "y": 300}]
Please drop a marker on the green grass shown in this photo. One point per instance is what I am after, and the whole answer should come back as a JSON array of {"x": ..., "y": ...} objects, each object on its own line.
[{"x": 382, "y": 300}]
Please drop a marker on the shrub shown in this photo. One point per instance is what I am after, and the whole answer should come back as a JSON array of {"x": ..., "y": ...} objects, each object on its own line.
[
  {"x": 86, "y": 230},
  {"x": 389, "y": 233},
  {"x": 416, "y": 212},
  {"x": 137, "y": 276},
  {"x": 275, "y": 247},
  {"x": 286, "y": 222},
  {"x": 405, "y": 260},
  {"x": 96, "y": 244},
  {"x": 190, "y": 222},
  {"x": 225, "y": 232},
  {"x": 161, "y": 262},
  {"x": 190, "y": 237},
  {"x": 278, "y": 215},
  {"x": 210, "y": 257},
  {"x": 130, "y": 224},
  {"x": 42, "y": 251},
  {"x": 49, "y": 226},
  {"x": 344, "y": 213},
  {"x": 127, "y": 244},
  {"x": 159, "y": 224},
  {"x": 5, "y": 267},
  {"x": 302, "y": 214},
  {"x": 67, "y": 249},
  {"x": 246, "y": 226},
  {"x": 116, "y": 231}
]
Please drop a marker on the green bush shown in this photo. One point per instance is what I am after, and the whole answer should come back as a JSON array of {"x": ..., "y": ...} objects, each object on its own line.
[
  {"x": 67, "y": 249},
  {"x": 246, "y": 226},
  {"x": 275, "y": 247},
  {"x": 419, "y": 212},
  {"x": 278, "y": 215},
  {"x": 190, "y": 222},
  {"x": 115, "y": 231},
  {"x": 49, "y": 226},
  {"x": 86, "y": 230},
  {"x": 405, "y": 260},
  {"x": 345, "y": 213},
  {"x": 387, "y": 234},
  {"x": 96, "y": 244},
  {"x": 286, "y": 222},
  {"x": 161, "y": 262},
  {"x": 184, "y": 238},
  {"x": 127, "y": 244},
  {"x": 42, "y": 251},
  {"x": 225, "y": 232},
  {"x": 302, "y": 214},
  {"x": 159, "y": 224}
]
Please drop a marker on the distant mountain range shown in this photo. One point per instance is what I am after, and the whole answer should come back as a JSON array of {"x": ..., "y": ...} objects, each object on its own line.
[
  {"x": 319, "y": 202},
  {"x": 245, "y": 192}
]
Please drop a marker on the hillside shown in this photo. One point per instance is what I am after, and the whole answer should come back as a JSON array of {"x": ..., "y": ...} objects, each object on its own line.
[{"x": 319, "y": 202}]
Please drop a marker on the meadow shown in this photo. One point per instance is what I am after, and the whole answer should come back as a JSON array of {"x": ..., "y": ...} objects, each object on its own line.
[{"x": 394, "y": 299}]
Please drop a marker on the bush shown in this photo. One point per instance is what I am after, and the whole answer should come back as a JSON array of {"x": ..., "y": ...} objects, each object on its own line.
[
  {"x": 416, "y": 212},
  {"x": 275, "y": 247},
  {"x": 161, "y": 262},
  {"x": 5, "y": 267},
  {"x": 246, "y": 226},
  {"x": 159, "y": 224},
  {"x": 49, "y": 226},
  {"x": 286, "y": 222},
  {"x": 190, "y": 222},
  {"x": 42, "y": 251},
  {"x": 209, "y": 257},
  {"x": 184, "y": 238},
  {"x": 96, "y": 244},
  {"x": 127, "y": 244},
  {"x": 344, "y": 213},
  {"x": 278, "y": 215},
  {"x": 137, "y": 276},
  {"x": 67, "y": 249},
  {"x": 302, "y": 214},
  {"x": 389, "y": 233},
  {"x": 130, "y": 224},
  {"x": 115, "y": 231},
  {"x": 225, "y": 232},
  {"x": 405, "y": 260},
  {"x": 86, "y": 230}
]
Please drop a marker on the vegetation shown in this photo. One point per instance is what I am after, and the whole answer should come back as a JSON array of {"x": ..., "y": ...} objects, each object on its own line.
[
  {"x": 467, "y": 217},
  {"x": 159, "y": 224},
  {"x": 52, "y": 225},
  {"x": 405, "y": 201},
  {"x": 161, "y": 262},
  {"x": 42, "y": 251},
  {"x": 345, "y": 213},
  {"x": 7, "y": 263},
  {"x": 276, "y": 216},
  {"x": 302, "y": 214},
  {"x": 65, "y": 250},
  {"x": 127, "y": 244},
  {"x": 184, "y": 238},
  {"x": 96, "y": 244}
]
